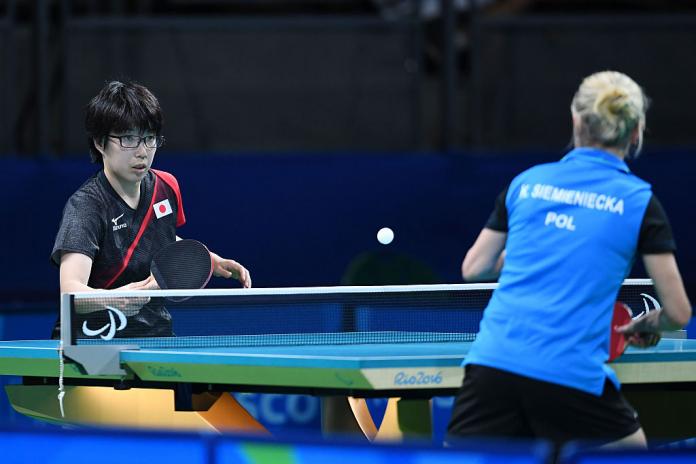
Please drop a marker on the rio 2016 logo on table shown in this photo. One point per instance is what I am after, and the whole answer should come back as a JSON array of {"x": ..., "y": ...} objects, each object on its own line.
[{"x": 417, "y": 378}]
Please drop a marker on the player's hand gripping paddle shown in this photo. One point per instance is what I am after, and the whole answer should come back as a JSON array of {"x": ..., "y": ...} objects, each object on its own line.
[
  {"x": 618, "y": 341},
  {"x": 184, "y": 264}
]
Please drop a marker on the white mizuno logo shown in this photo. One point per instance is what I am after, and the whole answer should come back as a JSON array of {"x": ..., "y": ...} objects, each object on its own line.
[
  {"x": 116, "y": 225},
  {"x": 115, "y": 220},
  {"x": 110, "y": 326}
]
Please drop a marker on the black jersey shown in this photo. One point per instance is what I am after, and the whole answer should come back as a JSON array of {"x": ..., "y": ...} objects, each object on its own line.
[{"x": 121, "y": 240}]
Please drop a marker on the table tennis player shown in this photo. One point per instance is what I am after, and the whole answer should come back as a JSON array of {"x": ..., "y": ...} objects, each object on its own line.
[
  {"x": 561, "y": 239},
  {"x": 115, "y": 223}
]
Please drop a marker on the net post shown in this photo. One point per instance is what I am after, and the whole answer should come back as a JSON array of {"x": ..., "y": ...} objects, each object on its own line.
[
  {"x": 67, "y": 300},
  {"x": 66, "y": 304}
]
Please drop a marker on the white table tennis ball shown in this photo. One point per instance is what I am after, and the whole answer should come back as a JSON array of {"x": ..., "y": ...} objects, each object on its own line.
[{"x": 385, "y": 235}]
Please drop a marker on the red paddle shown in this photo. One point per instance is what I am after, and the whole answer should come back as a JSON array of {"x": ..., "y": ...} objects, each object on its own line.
[{"x": 618, "y": 341}]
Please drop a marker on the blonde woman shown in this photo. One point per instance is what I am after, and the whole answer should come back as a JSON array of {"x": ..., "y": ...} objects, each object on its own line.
[{"x": 561, "y": 239}]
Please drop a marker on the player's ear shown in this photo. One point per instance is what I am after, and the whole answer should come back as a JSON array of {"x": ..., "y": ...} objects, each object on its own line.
[{"x": 99, "y": 144}]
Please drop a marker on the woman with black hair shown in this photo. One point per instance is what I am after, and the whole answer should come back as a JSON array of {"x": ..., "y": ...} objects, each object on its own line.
[{"x": 115, "y": 223}]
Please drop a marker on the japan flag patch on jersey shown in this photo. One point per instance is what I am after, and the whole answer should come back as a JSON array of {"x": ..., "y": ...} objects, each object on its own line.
[{"x": 162, "y": 208}]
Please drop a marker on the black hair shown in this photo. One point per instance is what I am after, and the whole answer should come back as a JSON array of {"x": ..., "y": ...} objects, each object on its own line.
[{"x": 120, "y": 107}]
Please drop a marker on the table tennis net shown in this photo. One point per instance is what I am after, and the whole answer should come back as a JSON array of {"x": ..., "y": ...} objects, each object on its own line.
[{"x": 257, "y": 317}]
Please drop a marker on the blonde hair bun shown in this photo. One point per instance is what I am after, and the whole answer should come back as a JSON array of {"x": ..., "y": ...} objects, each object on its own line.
[
  {"x": 608, "y": 107},
  {"x": 612, "y": 102}
]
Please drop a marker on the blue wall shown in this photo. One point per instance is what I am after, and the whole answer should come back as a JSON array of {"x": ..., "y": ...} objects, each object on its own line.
[
  {"x": 296, "y": 220},
  {"x": 301, "y": 219}
]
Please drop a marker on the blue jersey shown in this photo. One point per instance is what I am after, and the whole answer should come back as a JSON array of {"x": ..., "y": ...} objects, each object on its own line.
[{"x": 573, "y": 229}]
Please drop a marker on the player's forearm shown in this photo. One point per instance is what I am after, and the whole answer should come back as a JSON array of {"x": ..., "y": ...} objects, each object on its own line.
[
  {"x": 657, "y": 321},
  {"x": 485, "y": 258},
  {"x": 675, "y": 313},
  {"x": 75, "y": 269},
  {"x": 667, "y": 323},
  {"x": 72, "y": 286},
  {"x": 82, "y": 306},
  {"x": 478, "y": 268},
  {"x": 676, "y": 308}
]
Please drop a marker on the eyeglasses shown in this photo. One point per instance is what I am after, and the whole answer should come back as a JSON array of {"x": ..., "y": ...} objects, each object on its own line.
[{"x": 134, "y": 141}]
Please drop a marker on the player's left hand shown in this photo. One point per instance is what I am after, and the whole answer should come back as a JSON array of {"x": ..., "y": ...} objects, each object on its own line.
[
  {"x": 148, "y": 284},
  {"x": 228, "y": 268}
]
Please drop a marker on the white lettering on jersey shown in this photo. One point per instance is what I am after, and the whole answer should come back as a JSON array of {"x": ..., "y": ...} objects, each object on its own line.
[
  {"x": 524, "y": 191},
  {"x": 562, "y": 221},
  {"x": 584, "y": 199}
]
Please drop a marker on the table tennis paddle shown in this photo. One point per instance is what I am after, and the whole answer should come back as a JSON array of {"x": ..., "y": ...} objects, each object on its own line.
[
  {"x": 184, "y": 264},
  {"x": 618, "y": 341}
]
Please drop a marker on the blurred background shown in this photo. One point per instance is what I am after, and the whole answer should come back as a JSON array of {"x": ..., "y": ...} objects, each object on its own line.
[{"x": 297, "y": 129}]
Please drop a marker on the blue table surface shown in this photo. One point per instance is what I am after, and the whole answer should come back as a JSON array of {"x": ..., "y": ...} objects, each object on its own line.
[{"x": 348, "y": 355}]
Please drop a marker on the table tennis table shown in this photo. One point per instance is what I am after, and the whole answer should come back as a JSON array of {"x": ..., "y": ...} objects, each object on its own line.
[
  {"x": 660, "y": 381},
  {"x": 401, "y": 342}
]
